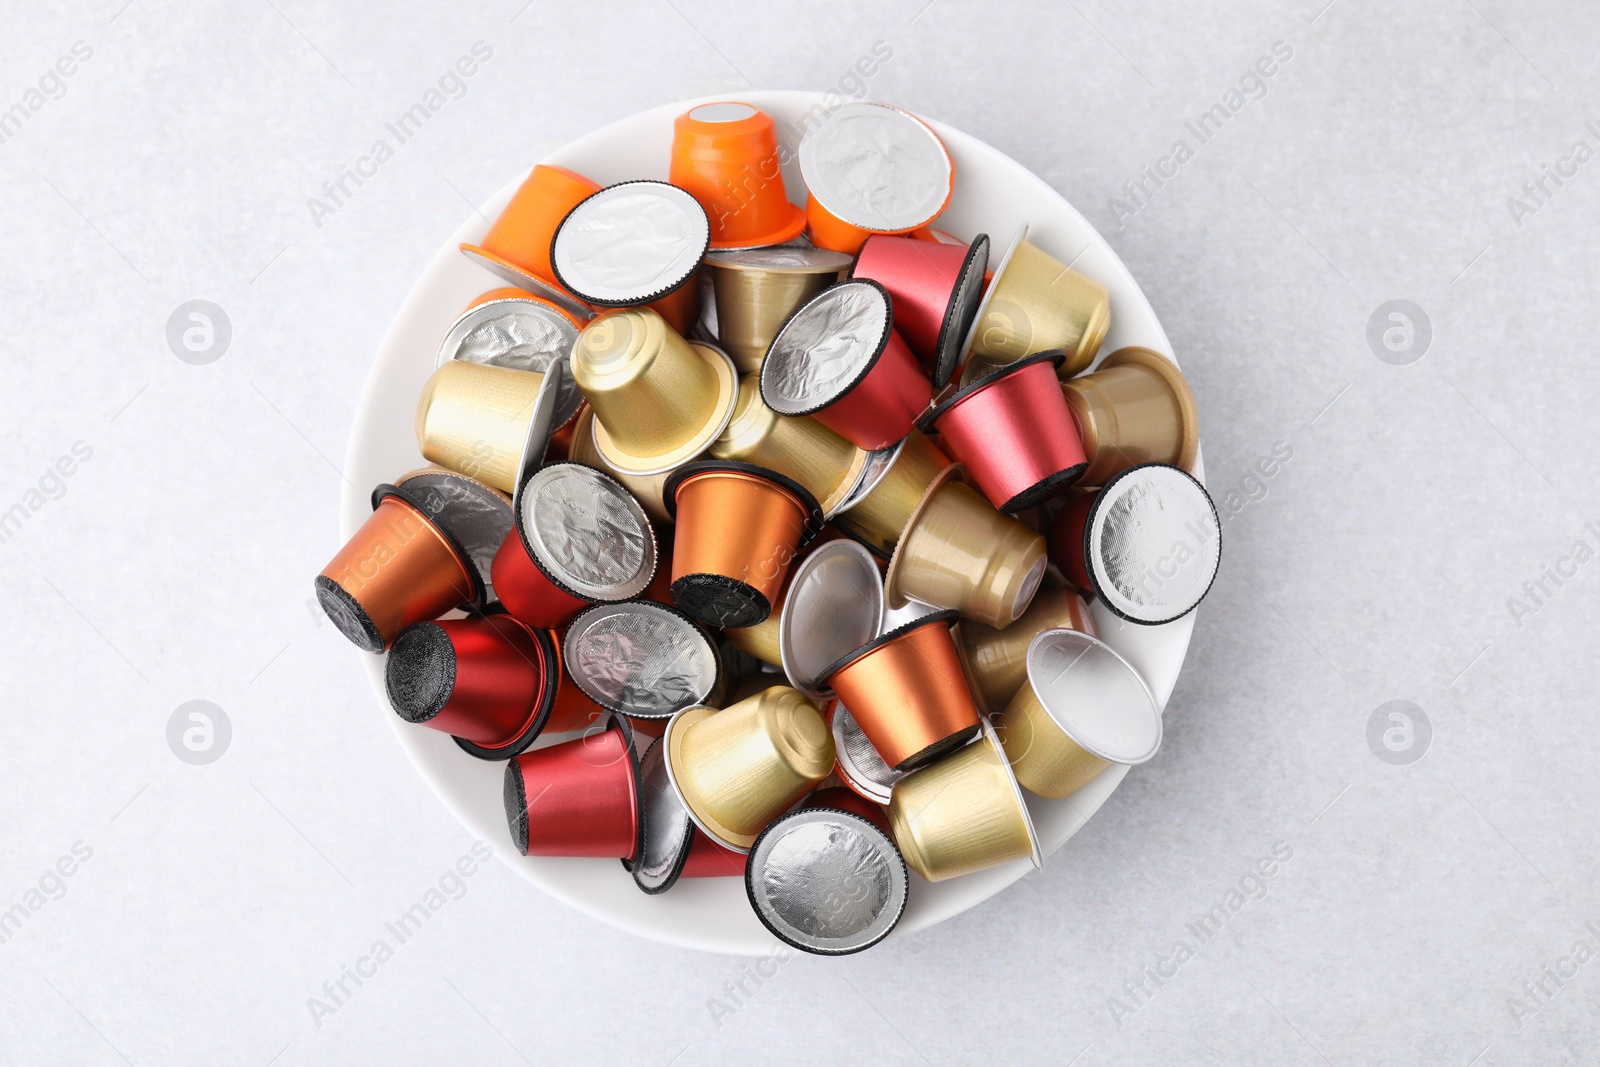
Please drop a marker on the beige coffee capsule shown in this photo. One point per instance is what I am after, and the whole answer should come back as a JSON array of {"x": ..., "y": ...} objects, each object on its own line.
[
  {"x": 1036, "y": 303},
  {"x": 964, "y": 813},
  {"x": 1135, "y": 408},
  {"x": 1084, "y": 708},
  {"x": 482, "y": 420},
  {"x": 738, "y": 769},
  {"x": 877, "y": 514},
  {"x": 799, "y": 446},
  {"x": 758, "y": 289},
  {"x": 958, "y": 552},
  {"x": 996, "y": 661}
]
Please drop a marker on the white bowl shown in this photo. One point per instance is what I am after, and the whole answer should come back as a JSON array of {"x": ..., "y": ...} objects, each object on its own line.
[{"x": 993, "y": 195}]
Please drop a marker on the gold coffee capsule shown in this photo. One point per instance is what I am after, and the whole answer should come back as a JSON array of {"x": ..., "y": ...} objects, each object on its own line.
[
  {"x": 799, "y": 446},
  {"x": 1034, "y": 304},
  {"x": 658, "y": 400},
  {"x": 1084, "y": 708},
  {"x": 1135, "y": 408},
  {"x": 964, "y": 813},
  {"x": 647, "y": 489},
  {"x": 758, "y": 289},
  {"x": 877, "y": 514},
  {"x": 996, "y": 661},
  {"x": 736, "y": 770},
  {"x": 959, "y": 552},
  {"x": 482, "y": 420}
]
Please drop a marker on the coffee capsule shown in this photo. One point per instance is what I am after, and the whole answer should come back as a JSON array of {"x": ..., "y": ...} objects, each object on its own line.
[
  {"x": 843, "y": 799},
  {"x": 826, "y": 881},
  {"x": 489, "y": 423},
  {"x": 573, "y": 709},
  {"x": 1148, "y": 544},
  {"x": 839, "y": 360},
  {"x": 658, "y": 400},
  {"x": 577, "y": 798},
  {"x": 635, "y": 243},
  {"x": 1084, "y": 708},
  {"x": 645, "y": 488},
  {"x": 996, "y": 661},
  {"x": 872, "y": 168},
  {"x": 707, "y": 859},
  {"x": 399, "y": 568},
  {"x": 798, "y": 446},
  {"x": 738, "y": 529},
  {"x": 858, "y": 764},
  {"x": 667, "y": 832},
  {"x": 478, "y": 516},
  {"x": 726, "y": 156},
  {"x": 878, "y": 512},
  {"x": 736, "y": 770},
  {"x": 935, "y": 288},
  {"x": 516, "y": 329},
  {"x": 1013, "y": 432},
  {"x": 963, "y": 814},
  {"x": 580, "y": 538},
  {"x": 757, "y": 290},
  {"x": 642, "y": 659},
  {"x": 1036, "y": 303},
  {"x": 489, "y": 681},
  {"x": 833, "y": 605},
  {"x": 907, "y": 692},
  {"x": 760, "y": 642},
  {"x": 517, "y": 246},
  {"x": 958, "y": 552},
  {"x": 1135, "y": 408}
]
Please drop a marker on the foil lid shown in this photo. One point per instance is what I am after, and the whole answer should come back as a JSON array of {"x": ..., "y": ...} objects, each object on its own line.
[
  {"x": 521, "y": 335},
  {"x": 783, "y": 258},
  {"x": 641, "y": 659},
  {"x": 631, "y": 243},
  {"x": 876, "y": 167},
  {"x": 834, "y": 605},
  {"x": 477, "y": 515},
  {"x": 667, "y": 831},
  {"x": 826, "y": 881},
  {"x": 859, "y": 763},
  {"x": 826, "y": 348},
  {"x": 587, "y": 532},
  {"x": 1094, "y": 695},
  {"x": 1154, "y": 544}
]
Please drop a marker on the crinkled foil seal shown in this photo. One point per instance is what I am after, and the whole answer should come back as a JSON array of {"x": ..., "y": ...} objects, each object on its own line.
[
  {"x": 522, "y": 336},
  {"x": 588, "y": 532},
  {"x": 877, "y": 167},
  {"x": 631, "y": 243},
  {"x": 859, "y": 762},
  {"x": 479, "y": 517},
  {"x": 824, "y": 348},
  {"x": 640, "y": 658}
]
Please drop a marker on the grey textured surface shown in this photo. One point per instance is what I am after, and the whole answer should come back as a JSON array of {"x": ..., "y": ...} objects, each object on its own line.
[{"x": 1408, "y": 509}]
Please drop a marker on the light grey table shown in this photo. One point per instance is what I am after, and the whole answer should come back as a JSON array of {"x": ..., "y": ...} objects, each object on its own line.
[{"x": 1417, "y": 540}]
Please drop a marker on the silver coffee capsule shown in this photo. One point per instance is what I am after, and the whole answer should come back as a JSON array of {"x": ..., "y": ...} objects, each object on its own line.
[
  {"x": 520, "y": 333},
  {"x": 587, "y": 533},
  {"x": 834, "y": 604},
  {"x": 631, "y": 243},
  {"x": 666, "y": 831},
  {"x": 1153, "y": 544},
  {"x": 642, "y": 659},
  {"x": 876, "y": 167},
  {"x": 479, "y": 516},
  {"x": 859, "y": 764},
  {"x": 826, "y": 881}
]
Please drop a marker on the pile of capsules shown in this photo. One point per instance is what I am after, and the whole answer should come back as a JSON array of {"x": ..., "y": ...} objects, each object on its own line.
[{"x": 787, "y": 519}]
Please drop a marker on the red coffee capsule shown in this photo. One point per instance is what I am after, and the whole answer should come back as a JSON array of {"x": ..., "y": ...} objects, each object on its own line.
[
  {"x": 489, "y": 681},
  {"x": 707, "y": 859},
  {"x": 935, "y": 288},
  {"x": 577, "y": 798},
  {"x": 1014, "y": 431}
]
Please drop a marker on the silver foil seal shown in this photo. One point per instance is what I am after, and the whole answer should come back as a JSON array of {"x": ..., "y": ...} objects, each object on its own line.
[
  {"x": 666, "y": 828},
  {"x": 1094, "y": 695},
  {"x": 877, "y": 167},
  {"x": 879, "y": 461},
  {"x": 521, "y": 335},
  {"x": 783, "y": 258},
  {"x": 859, "y": 763},
  {"x": 825, "y": 348},
  {"x": 631, "y": 243},
  {"x": 640, "y": 658},
  {"x": 587, "y": 532},
  {"x": 1154, "y": 544},
  {"x": 826, "y": 881},
  {"x": 478, "y": 516},
  {"x": 834, "y": 605}
]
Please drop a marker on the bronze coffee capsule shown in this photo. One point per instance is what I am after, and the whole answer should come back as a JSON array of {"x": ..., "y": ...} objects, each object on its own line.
[
  {"x": 1084, "y": 708},
  {"x": 399, "y": 568},
  {"x": 799, "y": 446},
  {"x": 1147, "y": 545},
  {"x": 478, "y": 516},
  {"x": 878, "y": 513},
  {"x": 658, "y": 400},
  {"x": 490, "y": 423},
  {"x": 908, "y": 693},
  {"x": 757, "y": 290},
  {"x": 832, "y": 606},
  {"x": 959, "y": 552},
  {"x": 996, "y": 661},
  {"x": 1135, "y": 408},
  {"x": 738, "y": 769},
  {"x": 1034, "y": 304},
  {"x": 827, "y": 881}
]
